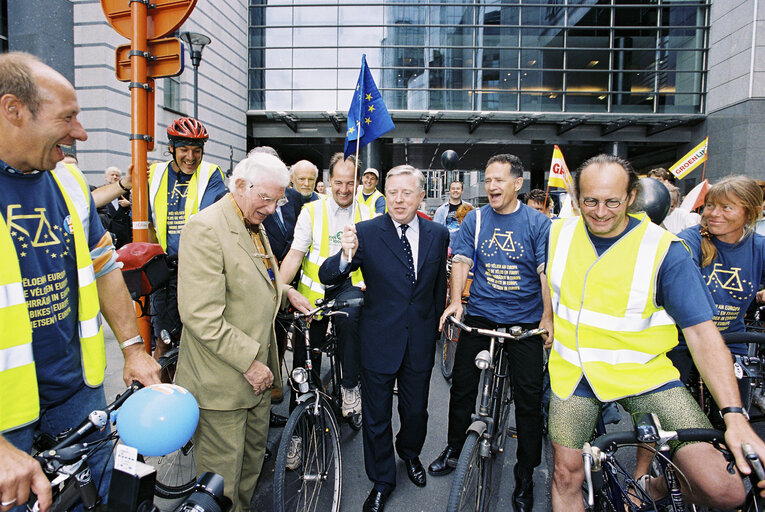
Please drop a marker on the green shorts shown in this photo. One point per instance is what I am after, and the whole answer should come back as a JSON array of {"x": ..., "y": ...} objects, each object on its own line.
[{"x": 572, "y": 421}]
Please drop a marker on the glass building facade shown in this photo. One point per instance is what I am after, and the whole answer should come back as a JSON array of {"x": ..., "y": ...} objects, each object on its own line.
[{"x": 579, "y": 56}]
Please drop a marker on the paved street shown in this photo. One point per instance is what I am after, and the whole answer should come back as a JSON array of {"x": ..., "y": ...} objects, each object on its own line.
[
  {"x": 356, "y": 486},
  {"x": 406, "y": 497}
]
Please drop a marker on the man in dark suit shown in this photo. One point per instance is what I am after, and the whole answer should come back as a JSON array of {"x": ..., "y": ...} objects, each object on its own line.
[
  {"x": 280, "y": 227},
  {"x": 403, "y": 259}
]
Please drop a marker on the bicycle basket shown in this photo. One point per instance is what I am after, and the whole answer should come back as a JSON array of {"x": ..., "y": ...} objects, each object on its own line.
[{"x": 145, "y": 268}]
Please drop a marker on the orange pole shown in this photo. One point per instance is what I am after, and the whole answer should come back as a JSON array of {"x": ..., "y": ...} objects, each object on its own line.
[
  {"x": 139, "y": 128},
  {"x": 703, "y": 170},
  {"x": 138, "y": 121}
]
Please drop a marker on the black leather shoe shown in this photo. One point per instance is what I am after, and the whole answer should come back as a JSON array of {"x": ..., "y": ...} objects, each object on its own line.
[
  {"x": 277, "y": 420},
  {"x": 267, "y": 455},
  {"x": 445, "y": 463},
  {"x": 415, "y": 471},
  {"x": 523, "y": 495},
  {"x": 375, "y": 502}
]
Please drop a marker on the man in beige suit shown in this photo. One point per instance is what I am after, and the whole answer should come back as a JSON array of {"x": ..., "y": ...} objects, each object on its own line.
[{"x": 228, "y": 295}]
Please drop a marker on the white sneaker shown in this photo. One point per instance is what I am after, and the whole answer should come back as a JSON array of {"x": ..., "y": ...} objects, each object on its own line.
[
  {"x": 351, "y": 401},
  {"x": 293, "y": 453}
]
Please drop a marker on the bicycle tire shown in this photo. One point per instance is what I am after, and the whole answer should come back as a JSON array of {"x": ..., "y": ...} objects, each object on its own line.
[
  {"x": 299, "y": 489},
  {"x": 603, "y": 503},
  {"x": 176, "y": 471},
  {"x": 468, "y": 492},
  {"x": 449, "y": 337}
]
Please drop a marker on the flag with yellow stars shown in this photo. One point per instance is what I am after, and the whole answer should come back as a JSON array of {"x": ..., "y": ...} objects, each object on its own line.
[{"x": 368, "y": 116}]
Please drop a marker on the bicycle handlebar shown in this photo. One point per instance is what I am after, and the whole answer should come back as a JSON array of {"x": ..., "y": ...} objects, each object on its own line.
[
  {"x": 515, "y": 333},
  {"x": 731, "y": 338},
  {"x": 322, "y": 306},
  {"x": 610, "y": 442}
]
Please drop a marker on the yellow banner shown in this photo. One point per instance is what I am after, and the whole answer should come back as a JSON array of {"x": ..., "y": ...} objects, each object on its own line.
[
  {"x": 559, "y": 175},
  {"x": 691, "y": 160}
]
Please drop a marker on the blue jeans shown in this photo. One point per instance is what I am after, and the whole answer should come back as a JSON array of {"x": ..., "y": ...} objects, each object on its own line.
[{"x": 69, "y": 414}]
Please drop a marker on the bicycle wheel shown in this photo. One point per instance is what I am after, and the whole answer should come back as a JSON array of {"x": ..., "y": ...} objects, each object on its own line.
[
  {"x": 176, "y": 473},
  {"x": 315, "y": 483},
  {"x": 449, "y": 337},
  {"x": 603, "y": 502},
  {"x": 502, "y": 416},
  {"x": 468, "y": 492}
]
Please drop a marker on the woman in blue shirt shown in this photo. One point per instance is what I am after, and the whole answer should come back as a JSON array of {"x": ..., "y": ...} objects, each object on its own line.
[{"x": 729, "y": 253}]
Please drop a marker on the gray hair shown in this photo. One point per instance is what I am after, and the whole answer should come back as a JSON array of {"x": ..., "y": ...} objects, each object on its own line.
[
  {"x": 304, "y": 163},
  {"x": 407, "y": 170},
  {"x": 263, "y": 149},
  {"x": 260, "y": 167}
]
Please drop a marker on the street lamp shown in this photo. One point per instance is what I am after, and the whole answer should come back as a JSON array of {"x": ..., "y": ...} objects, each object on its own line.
[{"x": 196, "y": 43}]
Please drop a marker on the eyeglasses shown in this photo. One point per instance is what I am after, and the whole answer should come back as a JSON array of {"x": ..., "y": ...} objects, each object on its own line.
[
  {"x": 269, "y": 200},
  {"x": 612, "y": 204}
]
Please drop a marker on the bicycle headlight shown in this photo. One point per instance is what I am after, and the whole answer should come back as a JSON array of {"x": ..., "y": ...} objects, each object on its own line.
[
  {"x": 299, "y": 376},
  {"x": 483, "y": 360}
]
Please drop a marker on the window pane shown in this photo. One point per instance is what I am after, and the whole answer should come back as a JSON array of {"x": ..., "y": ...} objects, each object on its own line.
[
  {"x": 278, "y": 100},
  {"x": 680, "y": 103},
  {"x": 314, "y": 100},
  {"x": 632, "y": 103}
]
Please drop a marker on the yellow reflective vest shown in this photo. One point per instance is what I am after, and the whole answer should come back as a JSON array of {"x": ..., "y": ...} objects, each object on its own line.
[
  {"x": 158, "y": 195},
  {"x": 309, "y": 285},
  {"x": 607, "y": 324},
  {"x": 19, "y": 399},
  {"x": 370, "y": 201}
]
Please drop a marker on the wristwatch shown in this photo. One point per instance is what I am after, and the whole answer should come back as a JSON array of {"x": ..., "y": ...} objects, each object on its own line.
[
  {"x": 735, "y": 410},
  {"x": 132, "y": 341}
]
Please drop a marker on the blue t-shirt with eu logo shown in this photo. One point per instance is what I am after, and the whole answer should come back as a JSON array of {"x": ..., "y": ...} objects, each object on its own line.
[
  {"x": 511, "y": 249},
  {"x": 733, "y": 277},
  {"x": 177, "y": 186},
  {"x": 37, "y": 217}
]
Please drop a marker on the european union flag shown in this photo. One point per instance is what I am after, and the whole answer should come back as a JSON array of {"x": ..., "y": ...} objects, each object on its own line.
[{"x": 368, "y": 116}]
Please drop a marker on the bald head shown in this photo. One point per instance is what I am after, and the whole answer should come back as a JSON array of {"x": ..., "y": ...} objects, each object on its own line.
[
  {"x": 38, "y": 113},
  {"x": 304, "y": 175}
]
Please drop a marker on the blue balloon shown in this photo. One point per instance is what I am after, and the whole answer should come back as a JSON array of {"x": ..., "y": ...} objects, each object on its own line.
[{"x": 158, "y": 419}]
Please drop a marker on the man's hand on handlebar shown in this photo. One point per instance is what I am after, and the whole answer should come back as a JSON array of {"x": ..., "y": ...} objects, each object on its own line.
[
  {"x": 739, "y": 431},
  {"x": 298, "y": 301},
  {"x": 18, "y": 473},
  {"x": 455, "y": 308},
  {"x": 140, "y": 366}
]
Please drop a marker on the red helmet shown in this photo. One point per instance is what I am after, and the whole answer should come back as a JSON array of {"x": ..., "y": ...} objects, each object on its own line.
[{"x": 187, "y": 131}]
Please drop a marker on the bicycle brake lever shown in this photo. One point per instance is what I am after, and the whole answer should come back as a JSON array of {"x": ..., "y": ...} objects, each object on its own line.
[
  {"x": 754, "y": 461},
  {"x": 731, "y": 467},
  {"x": 587, "y": 457}
]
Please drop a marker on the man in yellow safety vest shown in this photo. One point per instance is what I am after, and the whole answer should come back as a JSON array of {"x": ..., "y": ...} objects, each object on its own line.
[
  {"x": 619, "y": 286},
  {"x": 316, "y": 238}
]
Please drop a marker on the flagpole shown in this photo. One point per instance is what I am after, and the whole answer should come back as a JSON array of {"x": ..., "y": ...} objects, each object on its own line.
[
  {"x": 703, "y": 170},
  {"x": 355, "y": 176},
  {"x": 547, "y": 191}
]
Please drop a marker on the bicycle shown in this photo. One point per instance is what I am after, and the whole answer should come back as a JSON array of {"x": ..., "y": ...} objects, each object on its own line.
[
  {"x": 472, "y": 485},
  {"x": 311, "y": 477},
  {"x": 147, "y": 268},
  {"x": 603, "y": 489},
  {"x": 64, "y": 461},
  {"x": 749, "y": 369}
]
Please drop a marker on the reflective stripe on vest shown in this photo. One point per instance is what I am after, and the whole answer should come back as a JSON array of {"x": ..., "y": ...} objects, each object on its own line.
[
  {"x": 19, "y": 399},
  {"x": 158, "y": 195},
  {"x": 309, "y": 285},
  {"x": 607, "y": 324}
]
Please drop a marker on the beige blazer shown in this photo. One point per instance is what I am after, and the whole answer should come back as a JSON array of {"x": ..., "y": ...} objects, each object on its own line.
[{"x": 227, "y": 305}]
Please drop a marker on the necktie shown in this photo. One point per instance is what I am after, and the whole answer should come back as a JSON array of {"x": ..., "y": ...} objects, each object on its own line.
[
  {"x": 408, "y": 251},
  {"x": 279, "y": 221}
]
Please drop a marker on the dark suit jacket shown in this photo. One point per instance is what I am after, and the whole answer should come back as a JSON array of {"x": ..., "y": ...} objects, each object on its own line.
[
  {"x": 396, "y": 318},
  {"x": 281, "y": 241}
]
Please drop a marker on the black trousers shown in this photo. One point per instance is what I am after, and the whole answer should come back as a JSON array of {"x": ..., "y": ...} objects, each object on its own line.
[
  {"x": 377, "y": 411},
  {"x": 526, "y": 359}
]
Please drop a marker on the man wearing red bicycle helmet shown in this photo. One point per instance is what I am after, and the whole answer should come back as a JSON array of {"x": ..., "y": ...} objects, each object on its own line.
[{"x": 178, "y": 189}]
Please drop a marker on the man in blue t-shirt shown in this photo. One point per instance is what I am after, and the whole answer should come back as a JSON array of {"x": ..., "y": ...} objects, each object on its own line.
[
  {"x": 507, "y": 258},
  {"x": 54, "y": 250}
]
